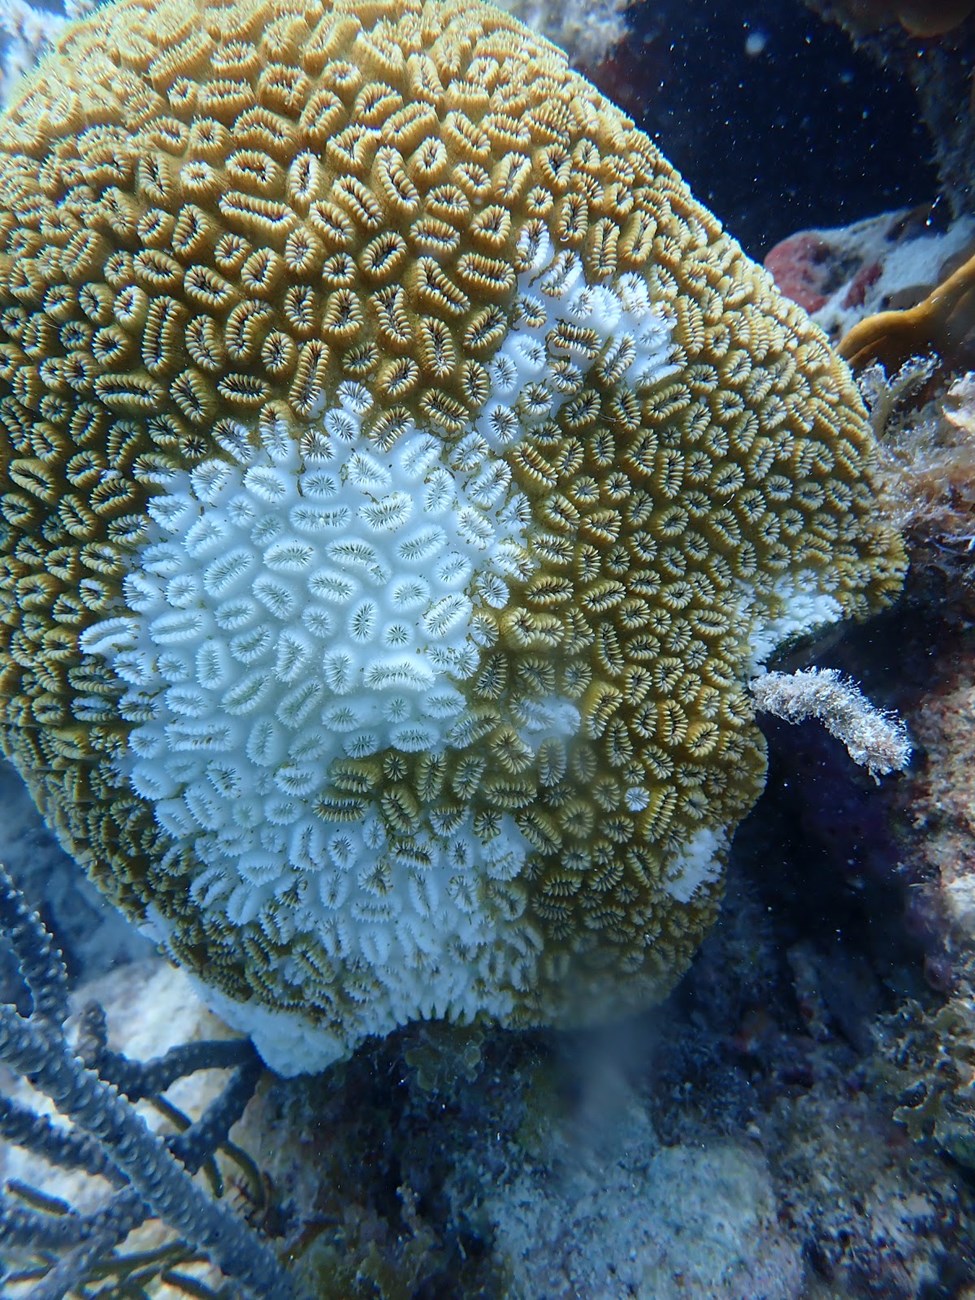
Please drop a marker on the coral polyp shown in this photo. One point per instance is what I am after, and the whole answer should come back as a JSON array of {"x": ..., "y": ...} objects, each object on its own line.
[{"x": 402, "y": 477}]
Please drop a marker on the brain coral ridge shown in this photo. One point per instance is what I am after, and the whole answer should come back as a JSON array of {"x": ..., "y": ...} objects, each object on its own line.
[{"x": 402, "y": 475}]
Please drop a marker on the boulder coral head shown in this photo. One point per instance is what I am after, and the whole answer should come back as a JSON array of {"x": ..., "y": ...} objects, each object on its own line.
[{"x": 402, "y": 477}]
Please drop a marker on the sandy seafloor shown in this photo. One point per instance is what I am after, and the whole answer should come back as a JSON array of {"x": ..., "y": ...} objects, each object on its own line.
[{"x": 749, "y": 1137}]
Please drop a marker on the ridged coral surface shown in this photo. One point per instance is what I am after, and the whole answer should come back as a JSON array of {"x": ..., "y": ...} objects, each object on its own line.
[{"x": 402, "y": 476}]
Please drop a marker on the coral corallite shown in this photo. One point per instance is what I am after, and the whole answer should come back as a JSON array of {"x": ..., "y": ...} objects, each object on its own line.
[{"x": 402, "y": 475}]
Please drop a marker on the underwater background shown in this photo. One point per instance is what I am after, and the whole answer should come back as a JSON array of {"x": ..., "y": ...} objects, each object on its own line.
[{"x": 798, "y": 1118}]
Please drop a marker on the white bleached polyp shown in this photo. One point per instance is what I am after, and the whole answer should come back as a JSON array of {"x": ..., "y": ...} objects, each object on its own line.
[
  {"x": 526, "y": 387},
  {"x": 796, "y": 606},
  {"x": 698, "y": 863},
  {"x": 314, "y": 599}
]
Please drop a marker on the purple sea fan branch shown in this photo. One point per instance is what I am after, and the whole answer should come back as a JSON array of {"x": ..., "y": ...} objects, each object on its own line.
[{"x": 158, "y": 1173}]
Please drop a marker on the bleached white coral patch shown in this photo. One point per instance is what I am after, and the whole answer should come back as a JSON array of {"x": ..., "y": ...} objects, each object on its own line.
[
  {"x": 282, "y": 1036},
  {"x": 542, "y": 360},
  {"x": 699, "y": 863},
  {"x": 796, "y": 606},
  {"x": 26, "y": 33},
  {"x": 587, "y": 30},
  {"x": 294, "y": 611},
  {"x": 290, "y": 612},
  {"x": 303, "y": 606}
]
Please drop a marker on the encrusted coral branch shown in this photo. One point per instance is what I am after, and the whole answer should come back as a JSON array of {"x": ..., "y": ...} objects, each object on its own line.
[{"x": 876, "y": 740}]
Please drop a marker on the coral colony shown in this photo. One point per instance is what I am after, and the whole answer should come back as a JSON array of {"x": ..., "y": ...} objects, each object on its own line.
[{"x": 402, "y": 478}]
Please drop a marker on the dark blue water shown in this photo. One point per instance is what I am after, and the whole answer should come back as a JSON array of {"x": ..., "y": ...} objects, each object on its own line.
[{"x": 806, "y": 132}]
